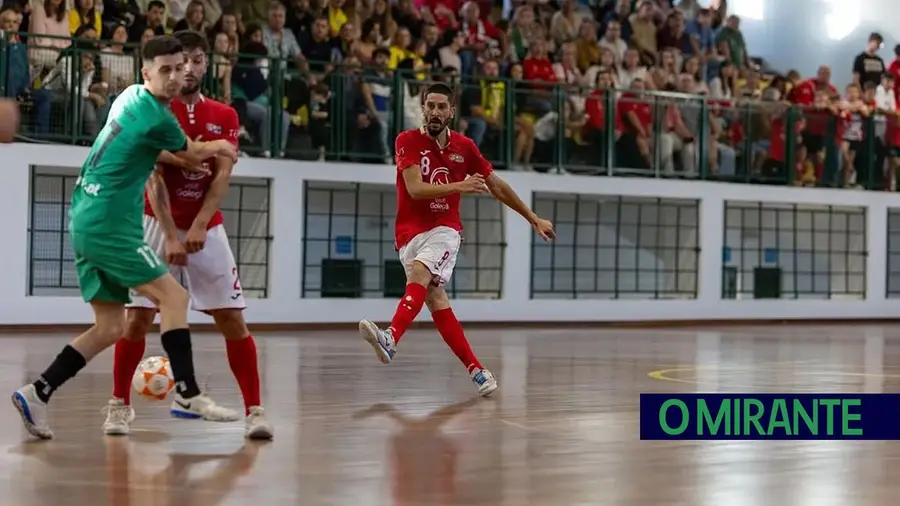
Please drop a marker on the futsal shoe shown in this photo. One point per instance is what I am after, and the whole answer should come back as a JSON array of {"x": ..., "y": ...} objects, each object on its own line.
[
  {"x": 256, "y": 426},
  {"x": 203, "y": 407},
  {"x": 484, "y": 380},
  {"x": 118, "y": 418},
  {"x": 33, "y": 412},
  {"x": 381, "y": 340}
]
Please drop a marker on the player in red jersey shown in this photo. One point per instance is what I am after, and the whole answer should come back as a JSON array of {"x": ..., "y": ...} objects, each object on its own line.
[
  {"x": 187, "y": 231},
  {"x": 434, "y": 167}
]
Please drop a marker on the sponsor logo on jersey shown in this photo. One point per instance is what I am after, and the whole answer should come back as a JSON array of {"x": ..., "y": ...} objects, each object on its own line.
[
  {"x": 440, "y": 175},
  {"x": 212, "y": 127},
  {"x": 196, "y": 176},
  {"x": 439, "y": 205},
  {"x": 454, "y": 157}
]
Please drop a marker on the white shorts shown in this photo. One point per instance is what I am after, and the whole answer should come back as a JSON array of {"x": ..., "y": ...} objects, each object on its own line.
[
  {"x": 211, "y": 274},
  {"x": 437, "y": 249}
]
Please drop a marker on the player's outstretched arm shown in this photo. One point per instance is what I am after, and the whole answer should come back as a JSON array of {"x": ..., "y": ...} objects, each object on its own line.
[
  {"x": 420, "y": 190},
  {"x": 503, "y": 192},
  {"x": 200, "y": 150}
]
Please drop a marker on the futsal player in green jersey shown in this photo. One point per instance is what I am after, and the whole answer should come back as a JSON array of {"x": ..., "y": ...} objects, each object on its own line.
[{"x": 106, "y": 231}]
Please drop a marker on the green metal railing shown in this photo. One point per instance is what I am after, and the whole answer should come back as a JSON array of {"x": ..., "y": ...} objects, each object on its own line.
[{"x": 544, "y": 127}]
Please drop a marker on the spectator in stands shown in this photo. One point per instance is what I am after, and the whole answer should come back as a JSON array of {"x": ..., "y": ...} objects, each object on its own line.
[
  {"x": 370, "y": 39},
  {"x": 482, "y": 39},
  {"x": 612, "y": 40},
  {"x": 123, "y": 12},
  {"x": 18, "y": 78},
  {"x": 635, "y": 145},
  {"x": 250, "y": 87},
  {"x": 665, "y": 74},
  {"x": 376, "y": 94},
  {"x": 222, "y": 64},
  {"x": 587, "y": 47},
  {"x": 118, "y": 66},
  {"x": 319, "y": 119},
  {"x": 406, "y": 15},
  {"x": 195, "y": 18},
  {"x": 401, "y": 48},
  {"x": 868, "y": 67},
  {"x": 300, "y": 17},
  {"x": 703, "y": 40},
  {"x": 643, "y": 32},
  {"x": 318, "y": 47},
  {"x": 597, "y": 128},
  {"x": 449, "y": 55},
  {"x": 441, "y": 12},
  {"x": 731, "y": 37},
  {"x": 280, "y": 43},
  {"x": 621, "y": 15},
  {"x": 48, "y": 19},
  {"x": 565, "y": 23},
  {"x": 152, "y": 20},
  {"x": 484, "y": 104},
  {"x": 84, "y": 13},
  {"x": 538, "y": 69},
  {"x": 336, "y": 16},
  {"x": 673, "y": 35},
  {"x": 722, "y": 86},
  {"x": 854, "y": 111},
  {"x": 632, "y": 70},
  {"x": 412, "y": 108},
  {"x": 523, "y": 30},
  {"x": 227, "y": 26},
  {"x": 381, "y": 15}
]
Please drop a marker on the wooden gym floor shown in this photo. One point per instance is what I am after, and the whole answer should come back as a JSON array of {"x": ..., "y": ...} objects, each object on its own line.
[{"x": 561, "y": 430}]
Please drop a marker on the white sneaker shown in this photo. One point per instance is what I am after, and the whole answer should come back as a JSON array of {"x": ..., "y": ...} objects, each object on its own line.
[
  {"x": 256, "y": 426},
  {"x": 203, "y": 407},
  {"x": 484, "y": 380},
  {"x": 118, "y": 418},
  {"x": 33, "y": 412},
  {"x": 381, "y": 340}
]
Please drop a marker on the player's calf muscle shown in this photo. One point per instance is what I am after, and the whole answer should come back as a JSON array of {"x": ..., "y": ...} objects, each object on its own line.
[{"x": 437, "y": 299}]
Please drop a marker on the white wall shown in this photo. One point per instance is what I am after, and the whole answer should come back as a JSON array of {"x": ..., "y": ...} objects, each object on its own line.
[{"x": 286, "y": 226}]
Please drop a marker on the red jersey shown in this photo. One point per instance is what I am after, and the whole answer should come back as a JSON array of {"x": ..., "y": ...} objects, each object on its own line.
[
  {"x": 631, "y": 102},
  {"x": 187, "y": 190},
  {"x": 459, "y": 159}
]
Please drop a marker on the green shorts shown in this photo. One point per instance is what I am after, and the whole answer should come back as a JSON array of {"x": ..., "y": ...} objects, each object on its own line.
[{"x": 108, "y": 265}]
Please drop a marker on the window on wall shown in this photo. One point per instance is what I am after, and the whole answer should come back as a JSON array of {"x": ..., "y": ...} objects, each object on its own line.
[
  {"x": 616, "y": 247},
  {"x": 793, "y": 251}
]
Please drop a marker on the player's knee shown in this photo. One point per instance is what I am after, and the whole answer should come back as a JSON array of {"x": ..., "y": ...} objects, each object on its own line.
[
  {"x": 230, "y": 323},
  {"x": 110, "y": 329},
  {"x": 437, "y": 300},
  {"x": 175, "y": 299},
  {"x": 138, "y": 322},
  {"x": 420, "y": 274}
]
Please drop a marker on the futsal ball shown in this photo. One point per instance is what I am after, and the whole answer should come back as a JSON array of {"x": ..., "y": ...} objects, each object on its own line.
[
  {"x": 9, "y": 120},
  {"x": 153, "y": 378}
]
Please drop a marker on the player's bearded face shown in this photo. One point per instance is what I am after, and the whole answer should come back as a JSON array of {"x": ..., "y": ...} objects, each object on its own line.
[
  {"x": 195, "y": 64},
  {"x": 438, "y": 112}
]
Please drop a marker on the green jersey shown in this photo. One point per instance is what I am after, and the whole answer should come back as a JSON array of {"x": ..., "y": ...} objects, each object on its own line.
[{"x": 108, "y": 198}]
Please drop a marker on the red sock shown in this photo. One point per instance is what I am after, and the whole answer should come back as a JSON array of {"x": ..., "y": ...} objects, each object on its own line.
[
  {"x": 453, "y": 335},
  {"x": 245, "y": 367},
  {"x": 127, "y": 357},
  {"x": 409, "y": 307}
]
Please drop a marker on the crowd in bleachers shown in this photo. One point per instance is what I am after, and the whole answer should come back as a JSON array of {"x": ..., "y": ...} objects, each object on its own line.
[{"x": 338, "y": 62}]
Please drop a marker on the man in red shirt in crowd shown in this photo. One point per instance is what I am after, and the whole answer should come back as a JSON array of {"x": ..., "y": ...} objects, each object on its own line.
[
  {"x": 818, "y": 118},
  {"x": 434, "y": 167},
  {"x": 636, "y": 119},
  {"x": 187, "y": 231}
]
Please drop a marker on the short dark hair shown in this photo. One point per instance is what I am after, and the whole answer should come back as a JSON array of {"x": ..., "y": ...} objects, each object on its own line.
[
  {"x": 439, "y": 88},
  {"x": 163, "y": 45},
  {"x": 156, "y": 3},
  {"x": 191, "y": 40}
]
